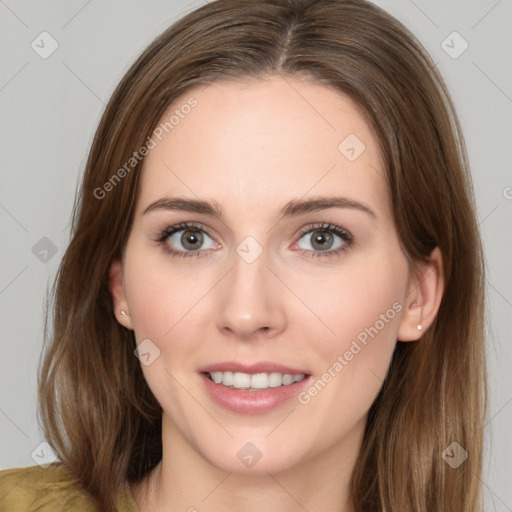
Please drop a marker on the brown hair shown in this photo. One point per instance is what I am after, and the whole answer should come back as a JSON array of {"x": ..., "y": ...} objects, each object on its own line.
[{"x": 97, "y": 409}]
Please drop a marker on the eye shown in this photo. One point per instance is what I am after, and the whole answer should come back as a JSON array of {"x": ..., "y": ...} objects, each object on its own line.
[
  {"x": 325, "y": 239},
  {"x": 191, "y": 240},
  {"x": 186, "y": 240}
]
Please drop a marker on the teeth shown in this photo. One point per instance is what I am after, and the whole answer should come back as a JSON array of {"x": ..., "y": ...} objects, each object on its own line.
[
  {"x": 240, "y": 380},
  {"x": 227, "y": 379},
  {"x": 287, "y": 379},
  {"x": 259, "y": 381},
  {"x": 275, "y": 379}
]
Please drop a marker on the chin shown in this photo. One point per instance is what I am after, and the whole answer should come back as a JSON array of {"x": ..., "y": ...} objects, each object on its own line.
[{"x": 253, "y": 457}]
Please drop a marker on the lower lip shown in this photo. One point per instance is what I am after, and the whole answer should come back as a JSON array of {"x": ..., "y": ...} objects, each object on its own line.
[{"x": 252, "y": 402}]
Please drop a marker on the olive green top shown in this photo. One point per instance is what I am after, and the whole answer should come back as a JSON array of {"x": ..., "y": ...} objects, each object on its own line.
[{"x": 35, "y": 489}]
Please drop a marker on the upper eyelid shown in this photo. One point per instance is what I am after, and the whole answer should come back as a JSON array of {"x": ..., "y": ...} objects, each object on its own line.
[
  {"x": 323, "y": 225},
  {"x": 180, "y": 226},
  {"x": 202, "y": 227}
]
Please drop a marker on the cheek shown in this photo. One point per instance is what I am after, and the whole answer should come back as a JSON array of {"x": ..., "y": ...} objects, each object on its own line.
[
  {"x": 163, "y": 304},
  {"x": 165, "y": 300},
  {"x": 362, "y": 294},
  {"x": 149, "y": 288},
  {"x": 149, "y": 298},
  {"x": 362, "y": 308}
]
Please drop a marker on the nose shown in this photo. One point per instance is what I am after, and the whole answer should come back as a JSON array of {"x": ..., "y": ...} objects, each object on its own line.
[{"x": 248, "y": 305}]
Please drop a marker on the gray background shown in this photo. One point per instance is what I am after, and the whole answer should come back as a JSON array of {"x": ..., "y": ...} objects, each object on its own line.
[{"x": 50, "y": 108}]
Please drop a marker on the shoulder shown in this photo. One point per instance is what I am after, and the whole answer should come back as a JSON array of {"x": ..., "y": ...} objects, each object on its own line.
[{"x": 43, "y": 490}]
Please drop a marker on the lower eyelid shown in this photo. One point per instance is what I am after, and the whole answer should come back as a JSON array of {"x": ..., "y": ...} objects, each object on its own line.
[
  {"x": 325, "y": 254},
  {"x": 186, "y": 254}
]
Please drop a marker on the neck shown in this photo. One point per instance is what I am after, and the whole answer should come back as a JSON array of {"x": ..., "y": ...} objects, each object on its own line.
[{"x": 185, "y": 480}]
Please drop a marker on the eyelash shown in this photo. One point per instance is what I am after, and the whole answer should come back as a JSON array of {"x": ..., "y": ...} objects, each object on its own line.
[
  {"x": 347, "y": 238},
  {"x": 169, "y": 231}
]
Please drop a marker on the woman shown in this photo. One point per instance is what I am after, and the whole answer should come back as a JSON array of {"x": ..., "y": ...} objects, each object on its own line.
[{"x": 273, "y": 296}]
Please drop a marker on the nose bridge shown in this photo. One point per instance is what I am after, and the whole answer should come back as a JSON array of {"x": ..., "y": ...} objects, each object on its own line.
[
  {"x": 247, "y": 304},
  {"x": 250, "y": 278}
]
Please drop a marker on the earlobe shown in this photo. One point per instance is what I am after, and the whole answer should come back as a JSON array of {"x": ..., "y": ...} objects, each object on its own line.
[
  {"x": 423, "y": 298},
  {"x": 119, "y": 301}
]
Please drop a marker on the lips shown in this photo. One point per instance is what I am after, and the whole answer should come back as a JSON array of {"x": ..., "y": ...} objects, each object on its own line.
[
  {"x": 252, "y": 388},
  {"x": 259, "y": 367}
]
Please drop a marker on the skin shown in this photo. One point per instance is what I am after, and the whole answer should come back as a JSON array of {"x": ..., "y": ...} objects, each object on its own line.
[{"x": 253, "y": 147}]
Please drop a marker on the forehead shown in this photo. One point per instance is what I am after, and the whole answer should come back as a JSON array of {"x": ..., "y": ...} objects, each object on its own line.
[{"x": 262, "y": 143}]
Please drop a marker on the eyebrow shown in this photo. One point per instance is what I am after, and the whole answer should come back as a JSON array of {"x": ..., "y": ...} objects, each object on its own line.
[{"x": 293, "y": 208}]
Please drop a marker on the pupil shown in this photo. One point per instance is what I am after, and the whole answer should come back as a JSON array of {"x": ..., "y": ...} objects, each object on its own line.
[
  {"x": 322, "y": 240},
  {"x": 191, "y": 239}
]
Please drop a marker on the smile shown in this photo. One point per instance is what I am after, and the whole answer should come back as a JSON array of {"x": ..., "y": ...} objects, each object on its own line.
[{"x": 255, "y": 381}]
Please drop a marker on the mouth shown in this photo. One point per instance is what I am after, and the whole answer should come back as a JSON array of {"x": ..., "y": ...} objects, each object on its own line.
[
  {"x": 256, "y": 381},
  {"x": 253, "y": 389}
]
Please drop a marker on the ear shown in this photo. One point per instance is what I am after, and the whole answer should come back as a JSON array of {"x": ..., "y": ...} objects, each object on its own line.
[
  {"x": 118, "y": 295},
  {"x": 424, "y": 294}
]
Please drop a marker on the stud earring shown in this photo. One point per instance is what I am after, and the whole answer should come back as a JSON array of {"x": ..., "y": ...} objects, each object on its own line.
[
  {"x": 123, "y": 312},
  {"x": 420, "y": 327}
]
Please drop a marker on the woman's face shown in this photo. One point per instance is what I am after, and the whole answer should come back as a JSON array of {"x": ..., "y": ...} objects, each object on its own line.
[{"x": 263, "y": 245}]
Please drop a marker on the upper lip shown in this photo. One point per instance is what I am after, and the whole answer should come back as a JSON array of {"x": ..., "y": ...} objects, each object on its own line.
[{"x": 257, "y": 367}]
